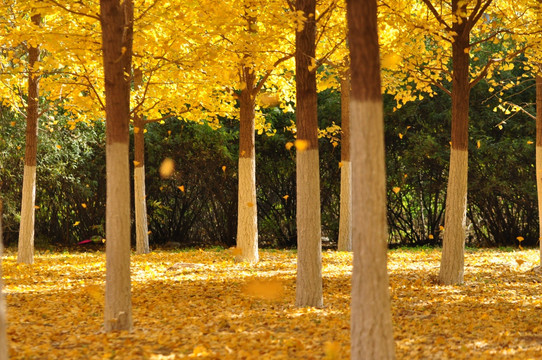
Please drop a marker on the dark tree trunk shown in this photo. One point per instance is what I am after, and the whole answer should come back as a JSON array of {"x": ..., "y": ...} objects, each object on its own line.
[
  {"x": 371, "y": 326},
  {"x": 117, "y": 27},
  {"x": 309, "y": 248},
  {"x": 453, "y": 246},
  {"x": 247, "y": 223},
  {"x": 25, "y": 252}
]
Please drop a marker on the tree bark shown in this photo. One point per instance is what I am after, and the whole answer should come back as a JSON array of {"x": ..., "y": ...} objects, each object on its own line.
[
  {"x": 539, "y": 153},
  {"x": 309, "y": 247},
  {"x": 345, "y": 217},
  {"x": 453, "y": 246},
  {"x": 4, "y": 345},
  {"x": 247, "y": 222},
  {"x": 140, "y": 200},
  {"x": 117, "y": 27},
  {"x": 371, "y": 326},
  {"x": 25, "y": 253}
]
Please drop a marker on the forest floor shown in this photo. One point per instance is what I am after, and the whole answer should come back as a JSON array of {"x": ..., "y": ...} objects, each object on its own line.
[{"x": 202, "y": 304}]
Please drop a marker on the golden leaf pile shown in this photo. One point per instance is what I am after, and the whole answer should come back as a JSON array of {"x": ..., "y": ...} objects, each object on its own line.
[{"x": 203, "y": 304}]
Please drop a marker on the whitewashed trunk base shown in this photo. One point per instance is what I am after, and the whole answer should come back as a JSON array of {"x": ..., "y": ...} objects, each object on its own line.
[
  {"x": 309, "y": 242},
  {"x": 371, "y": 325},
  {"x": 345, "y": 217},
  {"x": 25, "y": 253},
  {"x": 247, "y": 221},
  {"x": 140, "y": 204},
  {"x": 118, "y": 304},
  {"x": 453, "y": 244}
]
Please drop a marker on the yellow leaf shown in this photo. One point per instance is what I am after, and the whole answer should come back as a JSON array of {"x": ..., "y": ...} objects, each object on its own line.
[
  {"x": 301, "y": 145},
  {"x": 200, "y": 350},
  {"x": 58, "y": 146},
  {"x": 441, "y": 227},
  {"x": 478, "y": 144},
  {"x": 250, "y": 204},
  {"x": 289, "y": 145},
  {"x": 181, "y": 188},
  {"x": 12, "y": 123},
  {"x": 391, "y": 61},
  {"x": 431, "y": 237},
  {"x": 520, "y": 238},
  {"x": 84, "y": 205},
  {"x": 136, "y": 163},
  {"x": 264, "y": 289},
  {"x": 332, "y": 350},
  {"x": 340, "y": 164},
  {"x": 167, "y": 167},
  {"x": 530, "y": 142},
  {"x": 224, "y": 168},
  {"x": 396, "y": 189},
  {"x": 136, "y": 130},
  {"x": 285, "y": 197},
  {"x": 400, "y": 136},
  {"x": 76, "y": 223},
  {"x": 36, "y": 207}
]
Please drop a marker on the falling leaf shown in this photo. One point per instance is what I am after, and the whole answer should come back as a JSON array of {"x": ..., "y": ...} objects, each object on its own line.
[
  {"x": 530, "y": 142},
  {"x": 391, "y": 60},
  {"x": 36, "y": 207},
  {"x": 520, "y": 238},
  {"x": 12, "y": 123},
  {"x": 301, "y": 145},
  {"x": 478, "y": 144},
  {"x": 441, "y": 227},
  {"x": 136, "y": 130},
  {"x": 340, "y": 164},
  {"x": 167, "y": 167},
  {"x": 181, "y": 188},
  {"x": 289, "y": 145},
  {"x": 431, "y": 237},
  {"x": 400, "y": 136},
  {"x": 520, "y": 261},
  {"x": 136, "y": 163},
  {"x": 76, "y": 223},
  {"x": 250, "y": 204},
  {"x": 396, "y": 189},
  {"x": 84, "y": 206},
  {"x": 224, "y": 169},
  {"x": 285, "y": 197},
  {"x": 58, "y": 146}
]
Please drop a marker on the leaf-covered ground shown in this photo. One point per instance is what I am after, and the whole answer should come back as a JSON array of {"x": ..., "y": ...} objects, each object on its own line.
[{"x": 202, "y": 304}]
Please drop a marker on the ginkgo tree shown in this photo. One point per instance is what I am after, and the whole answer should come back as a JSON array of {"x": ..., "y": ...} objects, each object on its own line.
[
  {"x": 445, "y": 50},
  {"x": 29, "y": 86}
]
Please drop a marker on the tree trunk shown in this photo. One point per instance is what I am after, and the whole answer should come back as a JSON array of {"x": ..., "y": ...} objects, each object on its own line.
[
  {"x": 309, "y": 248},
  {"x": 117, "y": 27},
  {"x": 4, "y": 345},
  {"x": 25, "y": 253},
  {"x": 539, "y": 153},
  {"x": 453, "y": 245},
  {"x": 247, "y": 220},
  {"x": 371, "y": 326},
  {"x": 345, "y": 217},
  {"x": 140, "y": 200}
]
